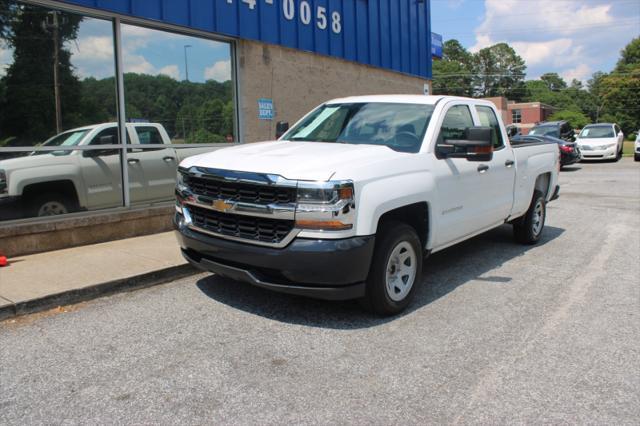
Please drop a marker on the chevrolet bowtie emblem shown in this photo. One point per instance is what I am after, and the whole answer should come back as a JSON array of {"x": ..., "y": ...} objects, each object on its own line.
[{"x": 222, "y": 205}]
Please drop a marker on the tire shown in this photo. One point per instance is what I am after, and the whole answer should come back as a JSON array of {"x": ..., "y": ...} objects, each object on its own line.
[
  {"x": 390, "y": 286},
  {"x": 619, "y": 155},
  {"x": 49, "y": 204},
  {"x": 528, "y": 229},
  {"x": 636, "y": 157}
]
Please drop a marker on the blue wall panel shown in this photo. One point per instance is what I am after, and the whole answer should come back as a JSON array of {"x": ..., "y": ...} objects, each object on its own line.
[{"x": 392, "y": 34}]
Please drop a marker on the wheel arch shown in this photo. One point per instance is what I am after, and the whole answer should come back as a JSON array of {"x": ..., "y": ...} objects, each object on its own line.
[{"x": 415, "y": 215}]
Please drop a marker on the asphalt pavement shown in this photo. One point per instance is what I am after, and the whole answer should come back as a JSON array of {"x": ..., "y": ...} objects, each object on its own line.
[{"x": 499, "y": 333}]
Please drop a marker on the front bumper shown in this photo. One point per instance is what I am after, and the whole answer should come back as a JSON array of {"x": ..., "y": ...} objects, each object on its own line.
[
  {"x": 599, "y": 154},
  {"x": 325, "y": 269}
]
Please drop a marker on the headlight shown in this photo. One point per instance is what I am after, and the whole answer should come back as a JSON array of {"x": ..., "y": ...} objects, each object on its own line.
[
  {"x": 180, "y": 184},
  {"x": 325, "y": 206},
  {"x": 4, "y": 185}
]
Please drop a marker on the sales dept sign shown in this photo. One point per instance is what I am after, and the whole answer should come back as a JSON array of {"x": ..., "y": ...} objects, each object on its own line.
[{"x": 265, "y": 109}]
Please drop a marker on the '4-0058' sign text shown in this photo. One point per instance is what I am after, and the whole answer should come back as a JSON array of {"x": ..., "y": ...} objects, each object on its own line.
[{"x": 303, "y": 12}]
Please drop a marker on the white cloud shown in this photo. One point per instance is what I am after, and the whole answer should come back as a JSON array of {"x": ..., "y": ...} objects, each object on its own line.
[
  {"x": 170, "y": 70},
  {"x": 571, "y": 37},
  {"x": 582, "y": 73},
  {"x": 535, "y": 53},
  {"x": 93, "y": 56},
  {"x": 220, "y": 71}
]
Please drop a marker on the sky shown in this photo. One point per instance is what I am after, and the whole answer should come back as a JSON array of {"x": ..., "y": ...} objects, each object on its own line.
[
  {"x": 144, "y": 51},
  {"x": 573, "y": 38}
]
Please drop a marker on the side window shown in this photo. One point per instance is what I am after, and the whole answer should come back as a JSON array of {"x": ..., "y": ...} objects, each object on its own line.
[
  {"x": 488, "y": 118},
  {"x": 455, "y": 122},
  {"x": 106, "y": 137},
  {"x": 149, "y": 136}
]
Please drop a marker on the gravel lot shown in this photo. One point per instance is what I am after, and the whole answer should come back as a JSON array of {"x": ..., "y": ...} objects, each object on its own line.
[{"x": 499, "y": 333}]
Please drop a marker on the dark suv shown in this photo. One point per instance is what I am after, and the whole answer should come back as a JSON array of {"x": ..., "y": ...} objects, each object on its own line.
[{"x": 557, "y": 129}]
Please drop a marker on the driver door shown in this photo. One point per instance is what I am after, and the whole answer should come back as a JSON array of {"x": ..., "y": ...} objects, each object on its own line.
[
  {"x": 459, "y": 182},
  {"x": 101, "y": 172}
]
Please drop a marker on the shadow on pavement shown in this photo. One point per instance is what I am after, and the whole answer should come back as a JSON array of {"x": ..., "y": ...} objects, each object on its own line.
[
  {"x": 443, "y": 272},
  {"x": 570, "y": 168}
]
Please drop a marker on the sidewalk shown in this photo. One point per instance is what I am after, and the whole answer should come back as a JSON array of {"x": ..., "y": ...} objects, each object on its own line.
[{"x": 46, "y": 280}]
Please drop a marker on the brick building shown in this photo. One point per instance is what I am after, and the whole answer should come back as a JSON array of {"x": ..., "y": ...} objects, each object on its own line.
[{"x": 524, "y": 115}]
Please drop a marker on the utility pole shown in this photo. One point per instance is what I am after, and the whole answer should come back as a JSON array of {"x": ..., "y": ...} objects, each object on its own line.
[
  {"x": 55, "y": 32},
  {"x": 186, "y": 63}
]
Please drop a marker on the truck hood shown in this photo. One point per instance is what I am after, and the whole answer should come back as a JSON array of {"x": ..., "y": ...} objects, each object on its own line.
[
  {"x": 315, "y": 161},
  {"x": 34, "y": 161}
]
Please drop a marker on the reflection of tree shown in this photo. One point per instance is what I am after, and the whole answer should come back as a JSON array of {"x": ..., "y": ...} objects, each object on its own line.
[
  {"x": 191, "y": 112},
  {"x": 29, "y": 104}
]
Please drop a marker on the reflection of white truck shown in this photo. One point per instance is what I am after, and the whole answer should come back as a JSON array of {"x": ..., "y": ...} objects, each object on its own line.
[
  {"x": 57, "y": 182},
  {"x": 349, "y": 200}
]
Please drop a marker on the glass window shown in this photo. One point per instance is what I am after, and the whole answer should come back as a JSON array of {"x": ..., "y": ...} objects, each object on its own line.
[
  {"x": 179, "y": 82},
  {"x": 57, "y": 89},
  {"x": 597, "y": 132},
  {"x": 455, "y": 123},
  {"x": 488, "y": 118},
  {"x": 516, "y": 116},
  {"x": 398, "y": 126}
]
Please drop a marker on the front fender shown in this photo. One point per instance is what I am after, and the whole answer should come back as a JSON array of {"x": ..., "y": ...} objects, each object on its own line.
[
  {"x": 21, "y": 178},
  {"x": 381, "y": 196}
]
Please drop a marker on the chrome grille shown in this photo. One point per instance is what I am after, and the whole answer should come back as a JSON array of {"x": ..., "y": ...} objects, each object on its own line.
[
  {"x": 264, "y": 230},
  {"x": 236, "y": 191}
]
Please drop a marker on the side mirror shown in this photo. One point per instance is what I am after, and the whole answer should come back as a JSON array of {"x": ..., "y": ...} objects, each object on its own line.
[
  {"x": 512, "y": 131},
  {"x": 476, "y": 146},
  {"x": 281, "y": 128}
]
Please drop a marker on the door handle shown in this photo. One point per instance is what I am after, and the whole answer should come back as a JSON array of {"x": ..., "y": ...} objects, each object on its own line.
[
  {"x": 167, "y": 159},
  {"x": 133, "y": 161},
  {"x": 482, "y": 168},
  {"x": 509, "y": 163}
]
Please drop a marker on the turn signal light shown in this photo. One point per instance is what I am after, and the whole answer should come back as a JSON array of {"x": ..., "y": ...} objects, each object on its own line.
[{"x": 319, "y": 225}]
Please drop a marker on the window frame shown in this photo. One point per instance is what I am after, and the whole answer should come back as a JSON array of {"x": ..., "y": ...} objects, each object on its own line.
[
  {"x": 117, "y": 20},
  {"x": 516, "y": 112},
  {"x": 498, "y": 129}
]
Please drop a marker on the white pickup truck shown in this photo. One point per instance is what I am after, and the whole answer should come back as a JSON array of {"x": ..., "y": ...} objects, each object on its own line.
[
  {"x": 57, "y": 182},
  {"x": 350, "y": 200}
]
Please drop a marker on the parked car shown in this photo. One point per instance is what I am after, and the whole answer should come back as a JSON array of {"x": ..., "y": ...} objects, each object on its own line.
[
  {"x": 569, "y": 151},
  {"x": 557, "y": 129},
  {"x": 603, "y": 141},
  {"x": 58, "y": 182},
  {"x": 636, "y": 147},
  {"x": 346, "y": 204}
]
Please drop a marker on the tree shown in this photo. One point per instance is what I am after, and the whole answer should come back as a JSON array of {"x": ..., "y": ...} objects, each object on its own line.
[
  {"x": 499, "y": 71},
  {"x": 554, "y": 81},
  {"x": 452, "y": 75},
  {"x": 629, "y": 56},
  {"x": 576, "y": 119},
  {"x": 29, "y": 105}
]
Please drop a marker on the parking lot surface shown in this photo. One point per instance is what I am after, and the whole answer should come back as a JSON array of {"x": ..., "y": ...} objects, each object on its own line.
[{"x": 498, "y": 333}]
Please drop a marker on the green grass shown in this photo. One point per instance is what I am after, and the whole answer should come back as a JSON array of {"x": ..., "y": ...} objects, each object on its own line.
[{"x": 627, "y": 149}]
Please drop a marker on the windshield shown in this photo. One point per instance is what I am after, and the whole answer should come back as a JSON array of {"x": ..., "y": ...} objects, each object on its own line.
[
  {"x": 400, "y": 127},
  {"x": 545, "y": 131},
  {"x": 597, "y": 132},
  {"x": 71, "y": 138}
]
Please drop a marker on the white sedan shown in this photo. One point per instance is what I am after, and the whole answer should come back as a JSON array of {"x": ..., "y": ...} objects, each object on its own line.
[{"x": 601, "y": 141}]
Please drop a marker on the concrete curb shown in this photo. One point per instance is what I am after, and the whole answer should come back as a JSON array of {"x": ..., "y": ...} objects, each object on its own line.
[{"x": 109, "y": 288}]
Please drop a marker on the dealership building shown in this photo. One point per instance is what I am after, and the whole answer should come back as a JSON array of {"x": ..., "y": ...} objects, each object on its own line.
[{"x": 171, "y": 77}]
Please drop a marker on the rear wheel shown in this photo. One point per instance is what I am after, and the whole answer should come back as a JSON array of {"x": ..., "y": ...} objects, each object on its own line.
[
  {"x": 636, "y": 157},
  {"x": 395, "y": 269},
  {"x": 619, "y": 154},
  {"x": 528, "y": 229}
]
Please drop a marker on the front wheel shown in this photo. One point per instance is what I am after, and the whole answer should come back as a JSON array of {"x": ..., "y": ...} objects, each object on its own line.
[
  {"x": 395, "y": 269},
  {"x": 50, "y": 204},
  {"x": 528, "y": 229}
]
